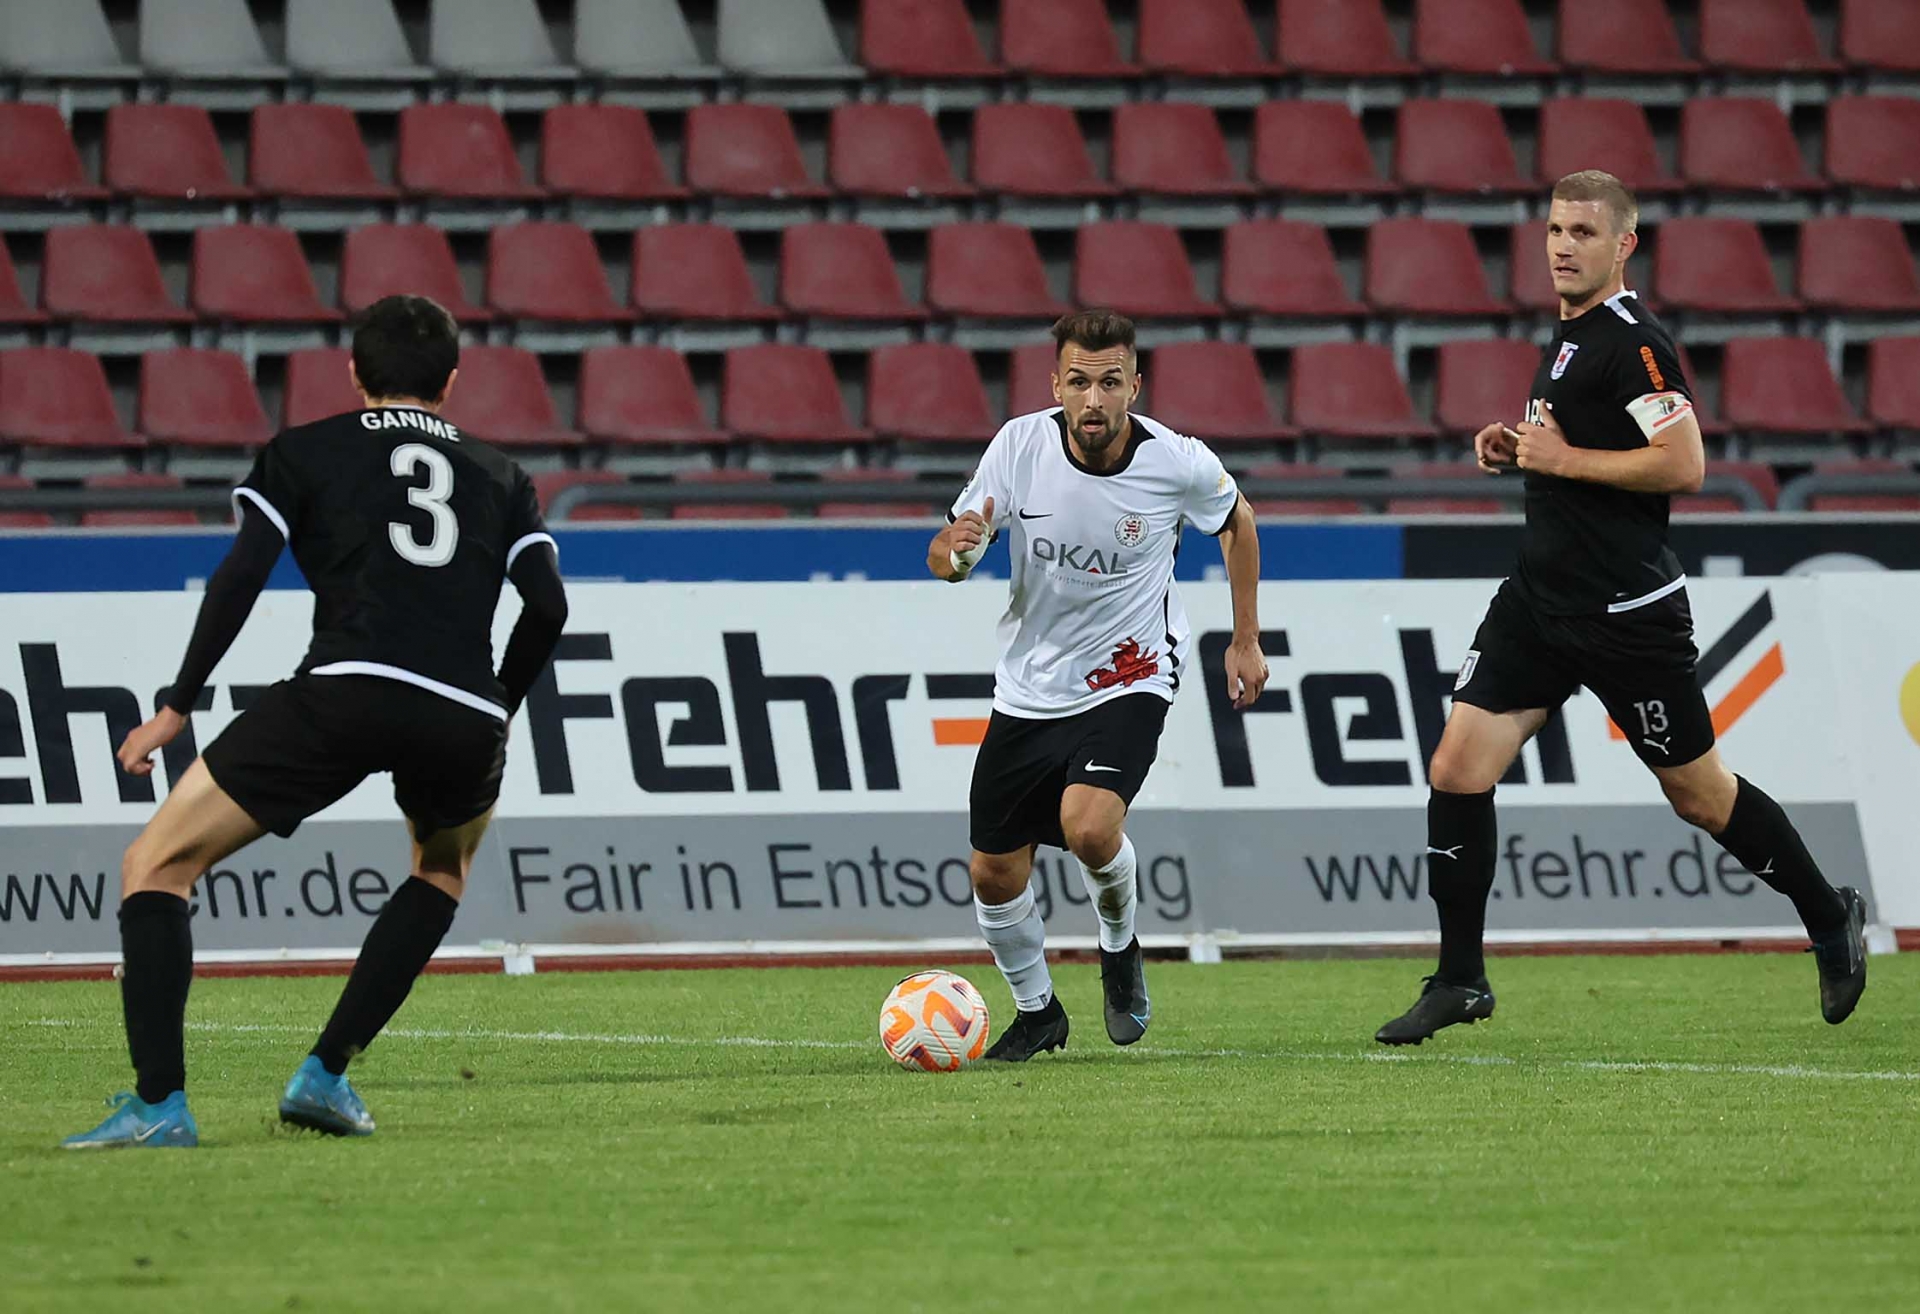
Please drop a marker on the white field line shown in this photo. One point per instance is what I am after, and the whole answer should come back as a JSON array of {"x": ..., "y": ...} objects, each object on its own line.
[{"x": 1265, "y": 1056}]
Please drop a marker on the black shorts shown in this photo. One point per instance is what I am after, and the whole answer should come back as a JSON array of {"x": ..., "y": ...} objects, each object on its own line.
[
  {"x": 1025, "y": 765},
  {"x": 1639, "y": 663},
  {"x": 309, "y": 740}
]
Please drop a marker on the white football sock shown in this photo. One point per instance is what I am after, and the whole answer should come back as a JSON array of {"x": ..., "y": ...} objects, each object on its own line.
[
  {"x": 1018, "y": 938},
  {"x": 1113, "y": 890}
]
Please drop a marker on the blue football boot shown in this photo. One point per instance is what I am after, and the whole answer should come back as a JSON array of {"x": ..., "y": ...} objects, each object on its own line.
[
  {"x": 317, "y": 1099},
  {"x": 164, "y": 1126}
]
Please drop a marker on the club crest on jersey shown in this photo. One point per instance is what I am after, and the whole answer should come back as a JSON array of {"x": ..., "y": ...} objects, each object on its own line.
[
  {"x": 1130, "y": 529},
  {"x": 1564, "y": 359}
]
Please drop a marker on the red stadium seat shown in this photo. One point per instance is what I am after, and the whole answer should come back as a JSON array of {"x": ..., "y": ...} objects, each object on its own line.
[
  {"x": 872, "y": 510},
  {"x": 1024, "y": 149},
  {"x": 1857, "y": 263},
  {"x": 1591, "y": 133},
  {"x": 928, "y": 392},
  {"x": 1626, "y": 36},
  {"x": 1883, "y": 35},
  {"x": 1893, "y": 383},
  {"x": 552, "y": 272},
  {"x": 254, "y": 274},
  {"x": 1705, "y": 504},
  {"x": 1172, "y": 148},
  {"x": 694, "y": 272},
  {"x": 501, "y": 397},
  {"x": 785, "y": 393},
  {"x": 14, "y": 307},
  {"x": 549, "y": 484},
  {"x": 1738, "y": 144},
  {"x": 1783, "y": 385},
  {"x": 318, "y": 386},
  {"x": 387, "y": 259},
  {"x": 891, "y": 151},
  {"x": 1870, "y": 502},
  {"x": 196, "y": 398},
  {"x": 638, "y": 396},
  {"x": 988, "y": 271},
  {"x": 1445, "y": 506},
  {"x": 58, "y": 397},
  {"x": 312, "y": 152},
  {"x": 38, "y": 160},
  {"x": 1315, "y": 147},
  {"x": 1481, "y": 382},
  {"x": 1139, "y": 269},
  {"x": 841, "y": 271},
  {"x": 1487, "y": 38},
  {"x": 1455, "y": 146},
  {"x": 1061, "y": 39},
  {"x": 1283, "y": 267},
  {"x": 727, "y": 510},
  {"x": 459, "y": 151},
  {"x": 1200, "y": 39},
  {"x": 132, "y": 518},
  {"x": 1873, "y": 142},
  {"x": 104, "y": 273},
  {"x": 1757, "y": 475},
  {"x": 1339, "y": 39},
  {"x": 1760, "y": 36},
  {"x": 1717, "y": 265},
  {"x": 1302, "y": 506},
  {"x": 1711, "y": 425},
  {"x": 930, "y": 39},
  {"x": 1213, "y": 391},
  {"x": 22, "y": 519},
  {"x": 1351, "y": 390},
  {"x": 1427, "y": 267},
  {"x": 746, "y": 151},
  {"x": 603, "y": 153},
  {"x": 1030, "y": 379},
  {"x": 166, "y": 152}
]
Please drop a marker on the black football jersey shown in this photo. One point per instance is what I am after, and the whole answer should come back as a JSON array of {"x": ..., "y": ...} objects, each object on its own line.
[
  {"x": 405, "y": 529},
  {"x": 1588, "y": 547}
]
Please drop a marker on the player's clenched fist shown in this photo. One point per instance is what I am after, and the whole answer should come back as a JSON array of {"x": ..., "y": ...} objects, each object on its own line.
[
  {"x": 1493, "y": 448},
  {"x": 957, "y": 548}
]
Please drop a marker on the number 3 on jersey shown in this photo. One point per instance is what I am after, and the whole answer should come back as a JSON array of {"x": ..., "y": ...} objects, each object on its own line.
[{"x": 437, "y": 550}]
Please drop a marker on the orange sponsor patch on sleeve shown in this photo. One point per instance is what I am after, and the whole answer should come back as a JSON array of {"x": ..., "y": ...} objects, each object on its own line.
[{"x": 1653, "y": 367}]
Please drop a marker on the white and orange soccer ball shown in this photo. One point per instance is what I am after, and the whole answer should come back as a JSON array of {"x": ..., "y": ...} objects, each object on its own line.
[{"x": 934, "y": 1022}]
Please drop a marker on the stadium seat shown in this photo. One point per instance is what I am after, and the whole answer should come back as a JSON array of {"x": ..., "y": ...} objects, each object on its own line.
[
  {"x": 1427, "y": 267},
  {"x": 1624, "y": 37},
  {"x": 928, "y": 392},
  {"x": 1716, "y": 265},
  {"x": 459, "y": 151},
  {"x": 841, "y": 271},
  {"x": 694, "y": 272},
  {"x": 1301, "y": 506},
  {"x": 1760, "y": 36},
  {"x": 105, "y": 273},
  {"x": 493, "y": 39},
  {"x": 204, "y": 39},
  {"x": 351, "y": 40},
  {"x": 1200, "y": 39},
  {"x": 22, "y": 519},
  {"x": 640, "y": 396},
  {"x": 58, "y": 397},
  {"x": 38, "y": 160},
  {"x": 1350, "y": 390},
  {"x": 891, "y": 151},
  {"x": 1030, "y": 379},
  {"x": 1711, "y": 425},
  {"x": 781, "y": 392},
  {"x": 1483, "y": 38},
  {"x": 69, "y": 40},
  {"x": 1464, "y": 472},
  {"x": 873, "y": 510},
  {"x": 1783, "y": 385},
  {"x": 1061, "y": 39},
  {"x": 549, "y": 484},
  {"x": 930, "y": 39},
  {"x": 501, "y": 397},
  {"x": 14, "y": 307},
  {"x": 253, "y": 274},
  {"x": 317, "y": 386},
  {"x": 727, "y": 510},
  {"x": 1857, "y": 263},
  {"x": 1314, "y": 147},
  {"x": 1283, "y": 268},
  {"x": 1757, "y": 475},
  {"x": 603, "y": 153},
  {"x": 1171, "y": 148},
  {"x": 191, "y": 397},
  {"x": 551, "y": 272},
  {"x": 1868, "y": 502},
  {"x": 647, "y": 40},
  {"x": 1703, "y": 504},
  {"x": 1339, "y": 39},
  {"x": 781, "y": 39},
  {"x": 1024, "y": 149},
  {"x": 166, "y": 152},
  {"x": 1881, "y": 35},
  {"x": 1213, "y": 391},
  {"x": 1592, "y": 133},
  {"x": 1740, "y": 144},
  {"x": 1455, "y": 146},
  {"x": 385, "y": 259},
  {"x": 747, "y": 151},
  {"x": 1483, "y": 381},
  {"x": 988, "y": 271},
  {"x": 311, "y": 151},
  {"x": 1139, "y": 269},
  {"x": 1873, "y": 142},
  {"x": 149, "y": 518},
  {"x": 1893, "y": 383}
]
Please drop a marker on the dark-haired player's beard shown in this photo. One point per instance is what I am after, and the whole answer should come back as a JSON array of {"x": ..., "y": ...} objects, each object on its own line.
[{"x": 1094, "y": 438}]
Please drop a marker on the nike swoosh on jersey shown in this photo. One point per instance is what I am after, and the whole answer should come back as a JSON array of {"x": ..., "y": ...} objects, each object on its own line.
[
  {"x": 1037, "y": 515},
  {"x": 1092, "y": 766}
]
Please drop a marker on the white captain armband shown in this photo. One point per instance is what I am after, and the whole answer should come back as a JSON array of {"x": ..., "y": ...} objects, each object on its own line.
[{"x": 1657, "y": 411}]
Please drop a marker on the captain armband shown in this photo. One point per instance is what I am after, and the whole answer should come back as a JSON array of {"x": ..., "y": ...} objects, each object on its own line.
[{"x": 1655, "y": 412}]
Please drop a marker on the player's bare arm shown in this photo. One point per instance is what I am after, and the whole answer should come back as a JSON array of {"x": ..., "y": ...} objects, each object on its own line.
[
  {"x": 955, "y": 549},
  {"x": 1246, "y": 664},
  {"x": 1673, "y": 461}
]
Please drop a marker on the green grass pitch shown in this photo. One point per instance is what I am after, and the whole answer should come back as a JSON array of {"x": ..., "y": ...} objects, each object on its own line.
[{"x": 1627, "y": 1134}]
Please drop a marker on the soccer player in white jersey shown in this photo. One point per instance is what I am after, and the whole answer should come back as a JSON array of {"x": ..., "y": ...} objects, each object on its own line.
[{"x": 1094, "y": 644}]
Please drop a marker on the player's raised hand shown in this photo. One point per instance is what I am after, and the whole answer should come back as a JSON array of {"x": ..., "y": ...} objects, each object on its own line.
[
  {"x": 1541, "y": 447},
  {"x": 143, "y": 741},
  {"x": 971, "y": 528},
  {"x": 1493, "y": 448},
  {"x": 1246, "y": 672}
]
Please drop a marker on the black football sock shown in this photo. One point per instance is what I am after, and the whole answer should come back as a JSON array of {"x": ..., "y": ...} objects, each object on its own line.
[
  {"x": 1759, "y": 834},
  {"x": 396, "y": 950},
  {"x": 156, "y": 946},
  {"x": 1461, "y": 840}
]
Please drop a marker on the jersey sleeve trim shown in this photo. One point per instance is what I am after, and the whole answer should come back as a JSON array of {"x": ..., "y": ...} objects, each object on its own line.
[
  {"x": 267, "y": 509},
  {"x": 526, "y": 541}
]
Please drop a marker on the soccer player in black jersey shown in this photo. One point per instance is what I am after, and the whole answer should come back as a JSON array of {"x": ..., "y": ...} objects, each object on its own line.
[
  {"x": 1598, "y": 599},
  {"x": 405, "y": 529}
]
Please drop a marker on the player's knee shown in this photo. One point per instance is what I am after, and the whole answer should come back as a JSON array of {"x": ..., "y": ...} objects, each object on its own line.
[
  {"x": 1704, "y": 808},
  {"x": 1455, "y": 772},
  {"x": 997, "y": 877},
  {"x": 1092, "y": 838},
  {"x": 145, "y": 866}
]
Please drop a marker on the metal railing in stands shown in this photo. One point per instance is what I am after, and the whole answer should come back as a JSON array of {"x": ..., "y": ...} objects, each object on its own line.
[{"x": 1798, "y": 493}]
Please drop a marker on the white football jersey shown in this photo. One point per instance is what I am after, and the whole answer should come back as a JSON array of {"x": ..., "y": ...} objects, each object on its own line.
[{"x": 1093, "y": 612}]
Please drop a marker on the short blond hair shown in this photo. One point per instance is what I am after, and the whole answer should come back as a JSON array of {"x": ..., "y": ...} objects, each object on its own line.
[{"x": 1598, "y": 185}]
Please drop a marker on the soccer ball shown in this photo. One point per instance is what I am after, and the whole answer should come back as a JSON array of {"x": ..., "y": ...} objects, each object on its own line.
[{"x": 934, "y": 1021}]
